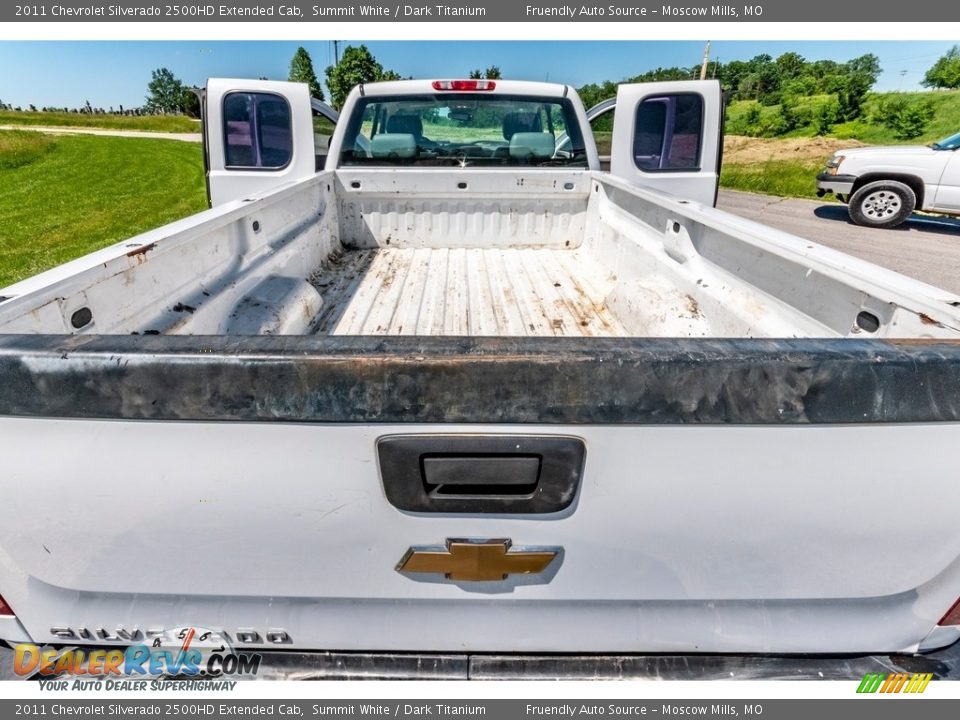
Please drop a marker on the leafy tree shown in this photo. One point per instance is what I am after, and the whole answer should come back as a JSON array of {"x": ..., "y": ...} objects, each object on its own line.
[
  {"x": 752, "y": 115},
  {"x": 851, "y": 92},
  {"x": 356, "y": 66},
  {"x": 776, "y": 82},
  {"x": 749, "y": 122},
  {"x": 491, "y": 73},
  {"x": 771, "y": 82},
  {"x": 164, "y": 92},
  {"x": 731, "y": 74},
  {"x": 867, "y": 66},
  {"x": 790, "y": 65},
  {"x": 853, "y": 83},
  {"x": 791, "y": 118},
  {"x": 301, "y": 70},
  {"x": 913, "y": 120},
  {"x": 825, "y": 68},
  {"x": 825, "y": 116},
  {"x": 592, "y": 94},
  {"x": 189, "y": 102},
  {"x": 670, "y": 73},
  {"x": 760, "y": 81},
  {"x": 774, "y": 124},
  {"x": 908, "y": 119},
  {"x": 945, "y": 72},
  {"x": 800, "y": 87}
]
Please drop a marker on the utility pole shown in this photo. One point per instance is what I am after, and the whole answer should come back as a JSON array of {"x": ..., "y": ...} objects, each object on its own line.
[
  {"x": 336, "y": 52},
  {"x": 706, "y": 61}
]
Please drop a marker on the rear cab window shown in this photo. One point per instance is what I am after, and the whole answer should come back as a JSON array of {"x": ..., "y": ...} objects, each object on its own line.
[{"x": 462, "y": 129}]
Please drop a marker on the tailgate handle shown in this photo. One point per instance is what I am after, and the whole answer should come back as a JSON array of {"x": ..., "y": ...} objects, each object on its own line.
[
  {"x": 523, "y": 474},
  {"x": 483, "y": 475}
]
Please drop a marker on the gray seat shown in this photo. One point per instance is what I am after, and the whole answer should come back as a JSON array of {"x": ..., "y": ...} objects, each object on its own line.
[
  {"x": 406, "y": 124},
  {"x": 521, "y": 122},
  {"x": 409, "y": 125},
  {"x": 393, "y": 145}
]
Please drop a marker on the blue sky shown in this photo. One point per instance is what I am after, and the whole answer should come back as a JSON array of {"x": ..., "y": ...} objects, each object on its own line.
[{"x": 116, "y": 73}]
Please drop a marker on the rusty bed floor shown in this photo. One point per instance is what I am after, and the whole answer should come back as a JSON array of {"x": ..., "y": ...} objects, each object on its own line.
[{"x": 439, "y": 291}]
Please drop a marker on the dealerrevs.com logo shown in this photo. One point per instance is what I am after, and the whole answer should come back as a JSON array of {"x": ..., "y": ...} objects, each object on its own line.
[{"x": 189, "y": 651}]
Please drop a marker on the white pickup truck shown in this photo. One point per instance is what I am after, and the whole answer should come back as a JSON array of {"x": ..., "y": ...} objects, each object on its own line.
[
  {"x": 460, "y": 390},
  {"x": 884, "y": 185}
]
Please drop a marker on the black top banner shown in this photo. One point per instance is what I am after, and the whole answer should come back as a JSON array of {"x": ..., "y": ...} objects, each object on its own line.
[{"x": 480, "y": 11}]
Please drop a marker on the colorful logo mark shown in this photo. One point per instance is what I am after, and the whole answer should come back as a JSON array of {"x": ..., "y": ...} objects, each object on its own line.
[
  {"x": 187, "y": 651},
  {"x": 895, "y": 682}
]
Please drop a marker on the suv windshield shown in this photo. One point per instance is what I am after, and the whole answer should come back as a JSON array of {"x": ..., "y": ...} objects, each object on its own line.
[
  {"x": 460, "y": 129},
  {"x": 951, "y": 143}
]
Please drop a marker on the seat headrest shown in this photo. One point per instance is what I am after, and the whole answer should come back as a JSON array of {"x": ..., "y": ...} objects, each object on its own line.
[
  {"x": 527, "y": 145},
  {"x": 393, "y": 145},
  {"x": 520, "y": 122},
  {"x": 409, "y": 124}
]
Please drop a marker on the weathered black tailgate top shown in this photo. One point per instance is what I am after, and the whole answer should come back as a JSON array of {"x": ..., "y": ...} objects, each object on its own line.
[{"x": 479, "y": 380}]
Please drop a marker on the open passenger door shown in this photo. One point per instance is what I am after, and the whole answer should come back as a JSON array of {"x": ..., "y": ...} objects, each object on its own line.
[
  {"x": 668, "y": 136},
  {"x": 259, "y": 135}
]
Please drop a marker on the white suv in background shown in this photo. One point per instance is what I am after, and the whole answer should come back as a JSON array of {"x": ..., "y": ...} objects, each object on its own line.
[{"x": 883, "y": 185}]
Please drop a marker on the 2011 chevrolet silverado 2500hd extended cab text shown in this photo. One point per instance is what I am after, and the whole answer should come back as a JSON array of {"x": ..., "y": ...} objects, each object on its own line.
[{"x": 461, "y": 390}]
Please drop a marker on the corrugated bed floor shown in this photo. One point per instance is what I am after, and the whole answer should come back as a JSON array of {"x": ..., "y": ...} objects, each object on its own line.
[{"x": 426, "y": 291}]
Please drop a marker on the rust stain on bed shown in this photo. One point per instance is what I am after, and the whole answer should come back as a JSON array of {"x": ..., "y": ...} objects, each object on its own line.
[{"x": 140, "y": 254}]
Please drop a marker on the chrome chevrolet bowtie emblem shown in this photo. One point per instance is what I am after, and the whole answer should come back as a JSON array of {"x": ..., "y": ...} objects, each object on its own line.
[{"x": 477, "y": 560}]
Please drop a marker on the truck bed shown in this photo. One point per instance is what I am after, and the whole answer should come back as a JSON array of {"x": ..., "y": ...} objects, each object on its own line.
[
  {"x": 478, "y": 292},
  {"x": 220, "y": 390},
  {"x": 374, "y": 253}
]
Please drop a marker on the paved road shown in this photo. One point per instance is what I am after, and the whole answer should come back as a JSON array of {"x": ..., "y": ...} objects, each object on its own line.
[
  {"x": 184, "y": 137},
  {"x": 926, "y": 248}
]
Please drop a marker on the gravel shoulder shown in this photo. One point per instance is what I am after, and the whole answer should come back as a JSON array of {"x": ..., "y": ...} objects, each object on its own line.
[{"x": 183, "y": 137}]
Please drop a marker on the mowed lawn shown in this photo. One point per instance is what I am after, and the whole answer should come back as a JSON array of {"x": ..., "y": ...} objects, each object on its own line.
[
  {"x": 148, "y": 123},
  {"x": 64, "y": 196}
]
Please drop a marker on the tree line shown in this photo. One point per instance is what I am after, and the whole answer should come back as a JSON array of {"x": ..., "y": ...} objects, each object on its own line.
[
  {"x": 765, "y": 81},
  {"x": 783, "y": 94},
  {"x": 169, "y": 95},
  {"x": 770, "y": 81}
]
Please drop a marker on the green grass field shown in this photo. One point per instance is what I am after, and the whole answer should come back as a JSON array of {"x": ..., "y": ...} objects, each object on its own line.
[
  {"x": 785, "y": 178},
  {"x": 62, "y": 197},
  {"x": 18, "y": 148},
  {"x": 148, "y": 123}
]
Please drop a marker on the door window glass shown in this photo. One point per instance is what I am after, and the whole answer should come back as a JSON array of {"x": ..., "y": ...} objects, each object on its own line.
[
  {"x": 668, "y": 133},
  {"x": 257, "y": 131}
]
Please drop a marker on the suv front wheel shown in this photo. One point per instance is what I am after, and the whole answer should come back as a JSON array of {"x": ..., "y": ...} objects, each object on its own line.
[{"x": 882, "y": 204}]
